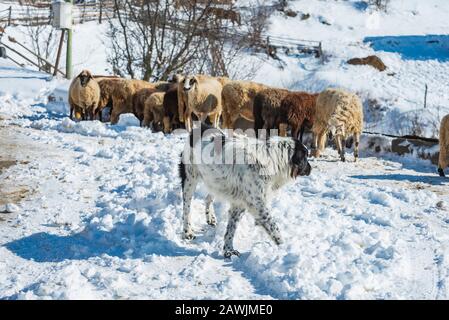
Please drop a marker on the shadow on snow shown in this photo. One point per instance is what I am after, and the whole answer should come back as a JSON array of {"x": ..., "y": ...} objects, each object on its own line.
[{"x": 428, "y": 47}]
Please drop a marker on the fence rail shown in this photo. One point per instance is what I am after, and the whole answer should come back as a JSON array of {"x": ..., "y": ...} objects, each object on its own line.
[{"x": 40, "y": 13}]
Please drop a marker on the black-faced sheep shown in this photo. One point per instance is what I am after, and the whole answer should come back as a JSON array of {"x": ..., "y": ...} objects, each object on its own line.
[
  {"x": 298, "y": 111},
  {"x": 267, "y": 104},
  {"x": 341, "y": 113},
  {"x": 443, "y": 159},
  {"x": 238, "y": 101},
  {"x": 84, "y": 96}
]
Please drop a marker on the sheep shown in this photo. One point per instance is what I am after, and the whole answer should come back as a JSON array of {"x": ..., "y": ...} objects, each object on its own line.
[
  {"x": 182, "y": 94},
  {"x": 298, "y": 111},
  {"x": 238, "y": 101},
  {"x": 223, "y": 14},
  {"x": 139, "y": 99},
  {"x": 84, "y": 95},
  {"x": 171, "y": 116},
  {"x": 341, "y": 113},
  {"x": 123, "y": 95},
  {"x": 154, "y": 111},
  {"x": 443, "y": 159},
  {"x": 266, "y": 111},
  {"x": 203, "y": 95},
  {"x": 107, "y": 89}
]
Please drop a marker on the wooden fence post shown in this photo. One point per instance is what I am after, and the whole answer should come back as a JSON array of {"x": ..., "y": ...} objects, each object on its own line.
[
  {"x": 58, "y": 57},
  {"x": 425, "y": 97},
  {"x": 9, "y": 15},
  {"x": 101, "y": 12}
]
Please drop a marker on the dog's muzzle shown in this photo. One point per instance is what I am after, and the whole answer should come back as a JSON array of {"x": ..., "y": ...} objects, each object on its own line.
[{"x": 297, "y": 171}]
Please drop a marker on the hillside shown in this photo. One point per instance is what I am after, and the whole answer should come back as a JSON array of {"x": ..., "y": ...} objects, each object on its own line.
[{"x": 93, "y": 211}]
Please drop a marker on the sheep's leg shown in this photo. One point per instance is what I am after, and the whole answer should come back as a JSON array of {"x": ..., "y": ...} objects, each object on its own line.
[
  {"x": 303, "y": 127},
  {"x": 320, "y": 142},
  {"x": 442, "y": 160},
  {"x": 356, "y": 146},
  {"x": 188, "y": 121},
  {"x": 235, "y": 213},
  {"x": 210, "y": 216},
  {"x": 282, "y": 129},
  {"x": 340, "y": 146},
  {"x": 166, "y": 121},
  {"x": 216, "y": 119},
  {"x": 295, "y": 132},
  {"x": 188, "y": 189}
]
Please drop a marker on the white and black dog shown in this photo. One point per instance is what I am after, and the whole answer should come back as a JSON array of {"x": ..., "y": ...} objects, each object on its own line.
[{"x": 243, "y": 171}]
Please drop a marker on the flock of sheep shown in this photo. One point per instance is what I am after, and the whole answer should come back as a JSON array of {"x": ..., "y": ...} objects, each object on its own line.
[{"x": 165, "y": 106}]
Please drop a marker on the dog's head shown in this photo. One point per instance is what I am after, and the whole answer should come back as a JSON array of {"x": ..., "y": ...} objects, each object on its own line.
[
  {"x": 298, "y": 162},
  {"x": 85, "y": 76},
  {"x": 189, "y": 83}
]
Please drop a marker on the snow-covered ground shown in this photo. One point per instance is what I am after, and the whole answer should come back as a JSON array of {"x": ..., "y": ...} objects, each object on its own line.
[
  {"x": 91, "y": 210},
  {"x": 101, "y": 218}
]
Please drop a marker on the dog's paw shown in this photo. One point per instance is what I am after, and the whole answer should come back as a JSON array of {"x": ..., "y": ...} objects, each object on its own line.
[
  {"x": 229, "y": 253},
  {"x": 189, "y": 235},
  {"x": 212, "y": 222}
]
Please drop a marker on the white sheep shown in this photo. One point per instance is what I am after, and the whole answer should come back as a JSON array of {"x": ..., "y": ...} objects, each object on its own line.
[
  {"x": 341, "y": 113},
  {"x": 203, "y": 96}
]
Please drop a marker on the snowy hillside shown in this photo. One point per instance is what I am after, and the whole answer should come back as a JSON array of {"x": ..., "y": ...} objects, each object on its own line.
[{"x": 93, "y": 211}]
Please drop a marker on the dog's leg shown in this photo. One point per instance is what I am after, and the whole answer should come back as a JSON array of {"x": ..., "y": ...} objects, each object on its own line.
[
  {"x": 187, "y": 195},
  {"x": 235, "y": 214},
  {"x": 264, "y": 219},
  {"x": 210, "y": 216}
]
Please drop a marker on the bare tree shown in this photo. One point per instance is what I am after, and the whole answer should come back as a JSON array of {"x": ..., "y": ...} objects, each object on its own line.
[
  {"x": 40, "y": 34},
  {"x": 151, "y": 39}
]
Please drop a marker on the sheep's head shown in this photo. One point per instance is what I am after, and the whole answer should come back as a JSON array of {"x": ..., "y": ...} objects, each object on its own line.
[
  {"x": 176, "y": 78},
  {"x": 190, "y": 82},
  {"x": 85, "y": 76}
]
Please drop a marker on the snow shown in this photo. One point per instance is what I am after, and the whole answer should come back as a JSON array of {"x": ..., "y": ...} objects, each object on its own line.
[{"x": 101, "y": 218}]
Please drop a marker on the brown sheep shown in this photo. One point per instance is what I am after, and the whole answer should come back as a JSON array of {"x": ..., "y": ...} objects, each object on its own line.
[
  {"x": 267, "y": 104},
  {"x": 221, "y": 13},
  {"x": 238, "y": 101},
  {"x": 443, "y": 159},
  {"x": 341, "y": 113},
  {"x": 154, "y": 111},
  {"x": 139, "y": 99},
  {"x": 298, "y": 110},
  {"x": 123, "y": 95},
  {"x": 84, "y": 96},
  {"x": 107, "y": 89}
]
